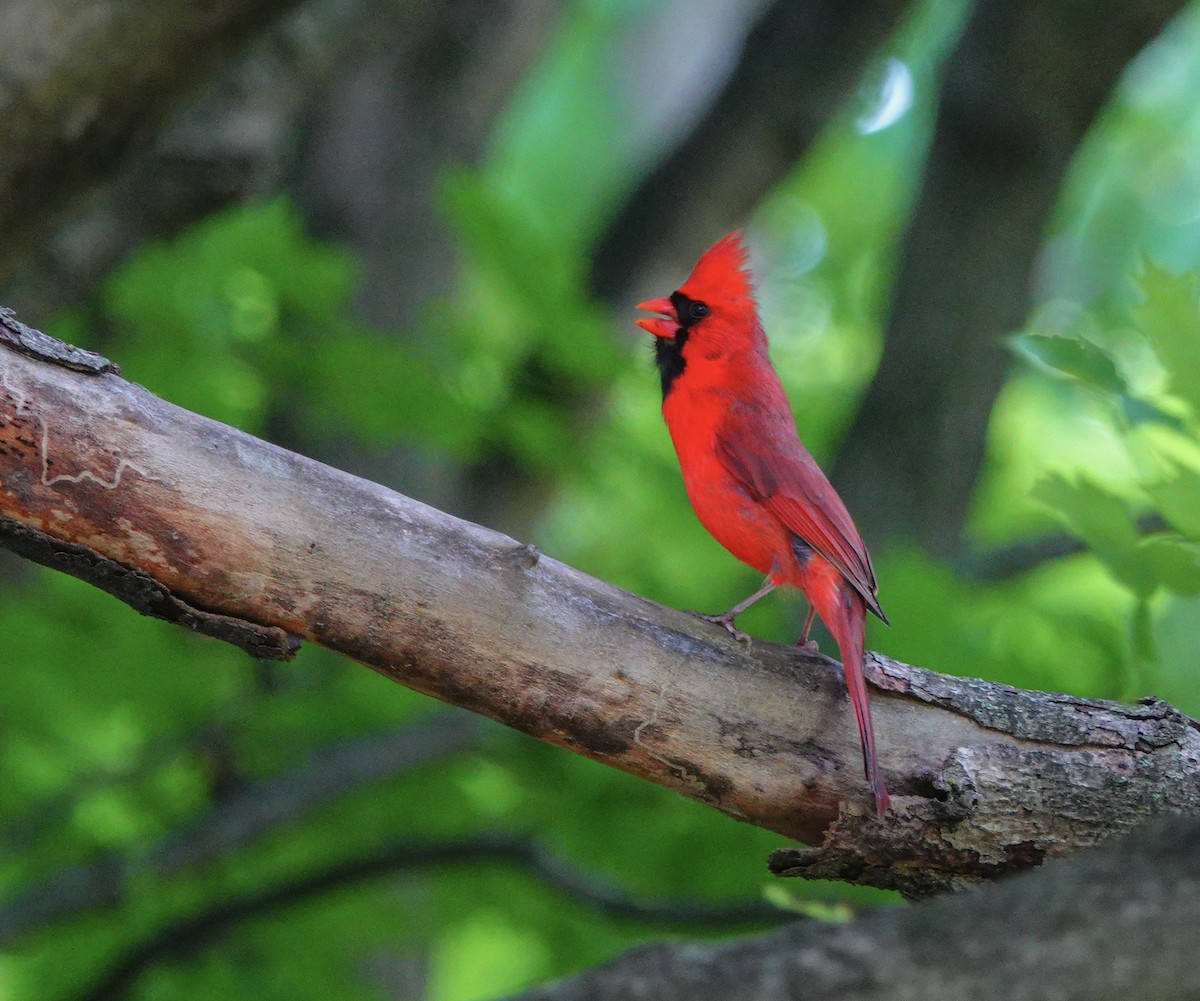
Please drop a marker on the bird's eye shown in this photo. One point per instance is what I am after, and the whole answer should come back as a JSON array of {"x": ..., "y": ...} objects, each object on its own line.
[{"x": 697, "y": 311}]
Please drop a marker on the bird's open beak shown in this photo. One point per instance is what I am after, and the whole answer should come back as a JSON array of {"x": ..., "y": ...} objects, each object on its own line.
[{"x": 664, "y": 325}]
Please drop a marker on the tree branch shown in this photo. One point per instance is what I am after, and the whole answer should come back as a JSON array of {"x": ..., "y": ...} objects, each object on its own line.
[
  {"x": 238, "y": 820},
  {"x": 986, "y": 778},
  {"x": 1121, "y": 923},
  {"x": 196, "y": 931},
  {"x": 224, "y": 146}
]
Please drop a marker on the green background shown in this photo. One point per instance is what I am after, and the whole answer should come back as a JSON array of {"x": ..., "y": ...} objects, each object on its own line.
[{"x": 119, "y": 731}]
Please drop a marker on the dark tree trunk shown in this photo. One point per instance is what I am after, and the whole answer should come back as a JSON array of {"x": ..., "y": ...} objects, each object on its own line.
[
  {"x": 1022, "y": 89},
  {"x": 798, "y": 65},
  {"x": 84, "y": 82}
]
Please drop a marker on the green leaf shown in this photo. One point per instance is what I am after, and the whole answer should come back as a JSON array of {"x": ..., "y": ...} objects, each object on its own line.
[
  {"x": 1177, "y": 498},
  {"x": 1170, "y": 320},
  {"x": 1071, "y": 357},
  {"x": 196, "y": 318},
  {"x": 827, "y": 911},
  {"x": 1103, "y": 521},
  {"x": 486, "y": 955},
  {"x": 1175, "y": 562},
  {"x": 1136, "y": 412}
]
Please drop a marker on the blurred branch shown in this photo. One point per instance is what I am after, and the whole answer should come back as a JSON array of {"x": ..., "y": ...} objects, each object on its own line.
[
  {"x": 203, "y": 525},
  {"x": 992, "y": 566},
  {"x": 48, "y": 815},
  {"x": 188, "y": 935},
  {"x": 235, "y": 140},
  {"x": 797, "y": 67},
  {"x": 337, "y": 101},
  {"x": 236, "y": 821},
  {"x": 1020, "y": 92},
  {"x": 84, "y": 83},
  {"x": 377, "y": 144},
  {"x": 1119, "y": 923}
]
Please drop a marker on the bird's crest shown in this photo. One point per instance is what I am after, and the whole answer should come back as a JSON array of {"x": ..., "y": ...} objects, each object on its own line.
[{"x": 722, "y": 274}]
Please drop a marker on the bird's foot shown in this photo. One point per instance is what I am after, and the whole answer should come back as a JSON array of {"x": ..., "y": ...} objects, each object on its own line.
[
  {"x": 803, "y": 643},
  {"x": 725, "y": 620}
]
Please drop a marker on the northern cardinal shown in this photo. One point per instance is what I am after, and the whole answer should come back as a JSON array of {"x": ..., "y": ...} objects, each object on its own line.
[{"x": 751, "y": 482}]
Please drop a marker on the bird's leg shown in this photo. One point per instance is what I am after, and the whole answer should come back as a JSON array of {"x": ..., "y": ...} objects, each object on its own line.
[
  {"x": 725, "y": 619},
  {"x": 804, "y": 643}
]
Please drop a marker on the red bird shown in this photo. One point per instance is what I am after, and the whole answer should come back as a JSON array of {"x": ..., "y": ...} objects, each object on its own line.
[{"x": 751, "y": 482}]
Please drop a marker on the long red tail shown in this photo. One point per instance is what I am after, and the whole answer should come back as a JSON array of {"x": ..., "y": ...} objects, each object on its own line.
[{"x": 844, "y": 613}]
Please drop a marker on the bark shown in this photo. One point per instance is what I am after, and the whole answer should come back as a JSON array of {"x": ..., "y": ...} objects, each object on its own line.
[
  {"x": 1020, "y": 93},
  {"x": 1121, "y": 923},
  {"x": 203, "y": 525},
  {"x": 82, "y": 81}
]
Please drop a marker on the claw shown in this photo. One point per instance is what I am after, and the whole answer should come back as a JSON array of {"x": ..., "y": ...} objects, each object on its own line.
[
  {"x": 725, "y": 619},
  {"x": 809, "y": 647},
  {"x": 726, "y": 622}
]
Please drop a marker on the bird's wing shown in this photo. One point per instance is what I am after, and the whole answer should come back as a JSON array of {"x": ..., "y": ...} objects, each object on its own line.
[{"x": 790, "y": 484}]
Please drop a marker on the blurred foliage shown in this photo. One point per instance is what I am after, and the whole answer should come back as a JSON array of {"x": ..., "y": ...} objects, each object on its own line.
[
  {"x": 1144, "y": 375},
  {"x": 119, "y": 730}
]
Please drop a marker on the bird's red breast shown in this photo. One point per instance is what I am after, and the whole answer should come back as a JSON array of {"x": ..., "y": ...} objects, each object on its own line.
[{"x": 750, "y": 480}]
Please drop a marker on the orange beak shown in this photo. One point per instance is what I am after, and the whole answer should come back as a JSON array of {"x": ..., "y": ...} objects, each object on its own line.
[{"x": 666, "y": 324}]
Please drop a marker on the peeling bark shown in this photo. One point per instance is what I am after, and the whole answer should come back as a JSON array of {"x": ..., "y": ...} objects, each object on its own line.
[{"x": 986, "y": 779}]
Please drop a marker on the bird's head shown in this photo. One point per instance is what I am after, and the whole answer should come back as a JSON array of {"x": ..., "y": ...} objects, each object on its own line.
[
  {"x": 712, "y": 313},
  {"x": 718, "y": 287}
]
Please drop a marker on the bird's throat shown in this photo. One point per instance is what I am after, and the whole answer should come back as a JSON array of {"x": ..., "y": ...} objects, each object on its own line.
[{"x": 668, "y": 355}]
